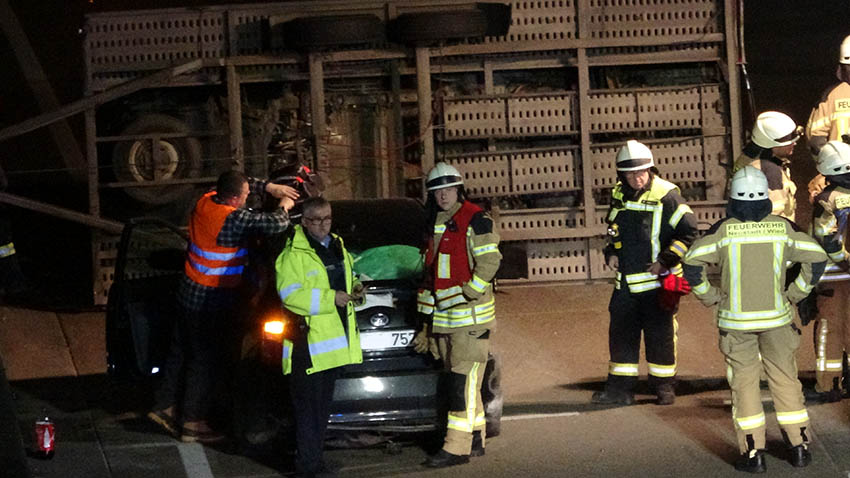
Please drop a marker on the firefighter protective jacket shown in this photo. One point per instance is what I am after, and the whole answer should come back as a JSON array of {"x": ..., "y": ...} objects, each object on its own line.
[
  {"x": 304, "y": 289},
  {"x": 831, "y": 213},
  {"x": 655, "y": 226},
  {"x": 207, "y": 263},
  {"x": 830, "y": 119},
  {"x": 464, "y": 257},
  {"x": 781, "y": 188},
  {"x": 753, "y": 256}
]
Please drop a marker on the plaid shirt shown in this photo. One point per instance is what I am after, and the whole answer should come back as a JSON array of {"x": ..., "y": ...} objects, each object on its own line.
[{"x": 239, "y": 226}]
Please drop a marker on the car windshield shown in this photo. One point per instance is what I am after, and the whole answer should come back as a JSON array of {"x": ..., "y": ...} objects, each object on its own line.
[{"x": 384, "y": 236}]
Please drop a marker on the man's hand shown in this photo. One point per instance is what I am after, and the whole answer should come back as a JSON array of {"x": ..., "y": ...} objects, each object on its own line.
[
  {"x": 657, "y": 269},
  {"x": 341, "y": 299},
  {"x": 287, "y": 204},
  {"x": 282, "y": 191},
  {"x": 613, "y": 262},
  {"x": 421, "y": 342},
  {"x": 808, "y": 308},
  {"x": 816, "y": 186},
  {"x": 358, "y": 294}
]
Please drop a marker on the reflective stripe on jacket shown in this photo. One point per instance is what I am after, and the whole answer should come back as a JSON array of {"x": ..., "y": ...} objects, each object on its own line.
[
  {"x": 831, "y": 117},
  {"x": 207, "y": 263},
  {"x": 304, "y": 290},
  {"x": 752, "y": 256},
  {"x": 830, "y": 227}
]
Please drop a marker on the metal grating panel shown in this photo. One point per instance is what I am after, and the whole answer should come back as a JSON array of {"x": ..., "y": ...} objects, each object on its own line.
[
  {"x": 474, "y": 117},
  {"x": 538, "y": 223},
  {"x": 485, "y": 176},
  {"x": 541, "y": 115},
  {"x": 538, "y": 20},
  {"x": 558, "y": 260},
  {"x": 641, "y": 19},
  {"x": 688, "y": 107}
]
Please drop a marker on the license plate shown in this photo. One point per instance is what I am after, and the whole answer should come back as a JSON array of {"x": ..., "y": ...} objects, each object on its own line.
[{"x": 390, "y": 339}]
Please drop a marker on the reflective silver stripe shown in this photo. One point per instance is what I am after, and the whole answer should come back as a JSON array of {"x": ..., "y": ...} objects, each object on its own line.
[
  {"x": 459, "y": 423},
  {"x": 802, "y": 284},
  {"x": 679, "y": 214},
  {"x": 485, "y": 249},
  {"x": 623, "y": 369},
  {"x": 734, "y": 277},
  {"x": 444, "y": 268},
  {"x": 790, "y": 418},
  {"x": 286, "y": 291},
  {"x": 439, "y": 228},
  {"x": 7, "y": 250},
  {"x": 662, "y": 370},
  {"x": 453, "y": 290},
  {"x": 451, "y": 301},
  {"x": 751, "y": 422},
  {"x": 732, "y": 324},
  {"x": 837, "y": 256},
  {"x": 805, "y": 245},
  {"x": 329, "y": 345},
  {"x": 478, "y": 284},
  {"x": 315, "y": 301},
  {"x": 701, "y": 288},
  {"x": 643, "y": 287}
]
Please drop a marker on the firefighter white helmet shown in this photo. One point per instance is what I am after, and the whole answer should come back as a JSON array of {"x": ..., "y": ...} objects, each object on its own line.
[
  {"x": 774, "y": 129},
  {"x": 634, "y": 156},
  {"x": 834, "y": 158},
  {"x": 442, "y": 176},
  {"x": 844, "y": 51},
  {"x": 749, "y": 184}
]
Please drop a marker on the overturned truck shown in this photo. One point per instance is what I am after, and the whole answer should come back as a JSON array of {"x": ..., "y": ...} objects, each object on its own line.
[{"x": 528, "y": 99}]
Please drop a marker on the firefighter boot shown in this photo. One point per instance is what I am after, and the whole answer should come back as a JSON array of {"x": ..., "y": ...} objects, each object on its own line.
[
  {"x": 799, "y": 455},
  {"x": 752, "y": 461},
  {"x": 611, "y": 396},
  {"x": 443, "y": 459},
  {"x": 477, "y": 444},
  {"x": 666, "y": 394}
]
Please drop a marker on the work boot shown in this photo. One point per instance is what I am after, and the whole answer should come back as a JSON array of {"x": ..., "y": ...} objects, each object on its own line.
[
  {"x": 666, "y": 395},
  {"x": 800, "y": 456},
  {"x": 613, "y": 397},
  {"x": 477, "y": 445},
  {"x": 200, "y": 432},
  {"x": 443, "y": 459},
  {"x": 165, "y": 419},
  {"x": 751, "y": 462}
]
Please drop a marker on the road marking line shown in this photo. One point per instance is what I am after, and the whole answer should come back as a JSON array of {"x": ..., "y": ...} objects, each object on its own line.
[
  {"x": 532, "y": 416},
  {"x": 194, "y": 460}
]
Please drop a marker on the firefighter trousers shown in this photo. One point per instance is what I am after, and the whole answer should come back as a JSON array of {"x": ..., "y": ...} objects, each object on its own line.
[
  {"x": 632, "y": 314},
  {"x": 778, "y": 347},
  {"x": 464, "y": 354},
  {"x": 832, "y": 335}
]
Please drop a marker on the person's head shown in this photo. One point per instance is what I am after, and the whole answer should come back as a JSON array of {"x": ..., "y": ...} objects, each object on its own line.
[
  {"x": 777, "y": 132},
  {"x": 316, "y": 217},
  {"x": 843, "y": 71},
  {"x": 748, "y": 196},
  {"x": 634, "y": 164},
  {"x": 834, "y": 158},
  {"x": 445, "y": 184},
  {"x": 232, "y": 188}
]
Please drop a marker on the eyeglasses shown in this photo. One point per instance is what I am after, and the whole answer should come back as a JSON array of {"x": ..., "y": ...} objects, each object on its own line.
[{"x": 325, "y": 221}]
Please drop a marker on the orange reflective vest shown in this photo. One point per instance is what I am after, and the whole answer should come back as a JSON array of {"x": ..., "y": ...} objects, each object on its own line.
[{"x": 207, "y": 263}]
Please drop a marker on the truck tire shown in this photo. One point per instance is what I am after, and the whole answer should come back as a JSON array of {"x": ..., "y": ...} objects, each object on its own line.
[
  {"x": 426, "y": 27},
  {"x": 333, "y": 30},
  {"x": 179, "y": 158},
  {"x": 491, "y": 395}
]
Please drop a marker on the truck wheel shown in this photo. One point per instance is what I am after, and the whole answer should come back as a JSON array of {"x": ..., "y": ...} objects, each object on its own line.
[
  {"x": 177, "y": 158},
  {"x": 424, "y": 27},
  {"x": 333, "y": 30},
  {"x": 491, "y": 395}
]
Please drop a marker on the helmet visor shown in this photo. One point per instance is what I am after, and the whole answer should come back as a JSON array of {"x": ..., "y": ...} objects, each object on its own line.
[
  {"x": 635, "y": 164},
  {"x": 791, "y": 137},
  {"x": 443, "y": 182}
]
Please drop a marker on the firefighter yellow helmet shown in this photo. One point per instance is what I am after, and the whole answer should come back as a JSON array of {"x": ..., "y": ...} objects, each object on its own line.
[
  {"x": 443, "y": 176},
  {"x": 834, "y": 158},
  {"x": 749, "y": 184},
  {"x": 844, "y": 51},
  {"x": 775, "y": 129},
  {"x": 634, "y": 156}
]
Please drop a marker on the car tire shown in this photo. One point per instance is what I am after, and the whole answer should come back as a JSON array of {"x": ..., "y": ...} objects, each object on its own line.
[
  {"x": 427, "y": 27},
  {"x": 180, "y": 158},
  {"x": 491, "y": 395},
  {"x": 333, "y": 30}
]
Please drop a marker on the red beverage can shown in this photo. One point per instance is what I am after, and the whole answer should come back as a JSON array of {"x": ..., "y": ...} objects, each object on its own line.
[{"x": 45, "y": 438}]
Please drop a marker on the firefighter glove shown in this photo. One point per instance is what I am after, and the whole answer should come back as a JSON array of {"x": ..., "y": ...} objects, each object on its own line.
[
  {"x": 808, "y": 308},
  {"x": 421, "y": 342},
  {"x": 677, "y": 284}
]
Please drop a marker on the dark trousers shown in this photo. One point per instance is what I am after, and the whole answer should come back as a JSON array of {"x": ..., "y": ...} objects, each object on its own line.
[
  {"x": 195, "y": 361},
  {"x": 632, "y": 314},
  {"x": 311, "y": 398}
]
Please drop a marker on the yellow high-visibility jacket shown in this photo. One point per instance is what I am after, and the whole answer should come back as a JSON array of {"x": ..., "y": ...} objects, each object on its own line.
[
  {"x": 304, "y": 289},
  {"x": 752, "y": 256}
]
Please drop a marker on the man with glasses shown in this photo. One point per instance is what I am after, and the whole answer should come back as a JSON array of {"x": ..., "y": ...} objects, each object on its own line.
[
  {"x": 316, "y": 283},
  {"x": 769, "y": 150}
]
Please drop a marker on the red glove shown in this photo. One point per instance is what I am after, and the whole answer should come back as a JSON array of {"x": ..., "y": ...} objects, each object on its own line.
[{"x": 677, "y": 284}]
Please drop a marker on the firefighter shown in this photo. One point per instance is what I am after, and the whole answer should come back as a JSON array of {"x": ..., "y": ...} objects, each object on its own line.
[
  {"x": 316, "y": 283},
  {"x": 830, "y": 118},
  {"x": 219, "y": 229},
  {"x": 461, "y": 260},
  {"x": 774, "y": 136},
  {"x": 650, "y": 228},
  {"x": 830, "y": 227},
  {"x": 754, "y": 312}
]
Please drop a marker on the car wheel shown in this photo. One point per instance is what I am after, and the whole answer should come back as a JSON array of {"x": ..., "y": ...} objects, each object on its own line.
[
  {"x": 491, "y": 395},
  {"x": 425, "y": 27},
  {"x": 176, "y": 158}
]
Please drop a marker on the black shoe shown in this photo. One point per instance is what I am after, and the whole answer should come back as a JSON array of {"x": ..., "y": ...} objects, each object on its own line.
[
  {"x": 751, "y": 462},
  {"x": 477, "y": 446},
  {"x": 831, "y": 396},
  {"x": 609, "y": 397},
  {"x": 442, "y": 459},
  {"x": 800, "y": 456},
  {"x": 666, "y": 395}
]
